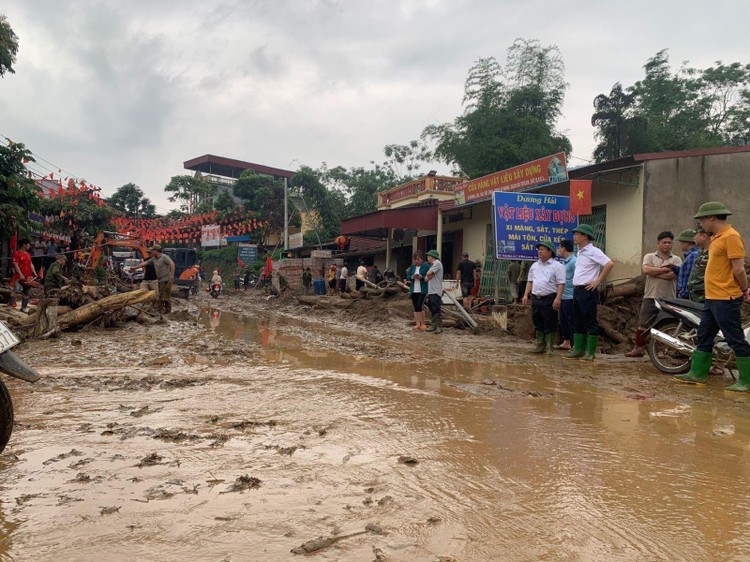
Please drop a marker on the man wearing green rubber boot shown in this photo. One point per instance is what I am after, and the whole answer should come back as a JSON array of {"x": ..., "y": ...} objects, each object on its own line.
[
  {"x": 592, "y": 268},
  {"x": 545, "y": 287},
  {"x": 726, "y": 287}
]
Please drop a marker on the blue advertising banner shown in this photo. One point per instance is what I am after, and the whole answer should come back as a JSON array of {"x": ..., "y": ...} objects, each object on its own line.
[{"x": 523, "y": 219}]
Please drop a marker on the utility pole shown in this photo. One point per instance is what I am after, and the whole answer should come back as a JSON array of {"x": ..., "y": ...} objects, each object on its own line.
[{"x": 286, "y": 214}]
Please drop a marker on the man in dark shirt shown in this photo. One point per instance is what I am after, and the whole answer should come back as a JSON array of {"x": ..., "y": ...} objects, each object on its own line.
[
  {"x": 466, "y": 275},
  {"x": 54, "y": 279}
]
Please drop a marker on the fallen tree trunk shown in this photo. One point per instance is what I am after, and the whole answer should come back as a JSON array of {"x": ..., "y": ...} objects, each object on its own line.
[
  {"x": 91, "y": 311},
  {"x": 46, "y": 317},
  {"x": 610, "y": 333}
]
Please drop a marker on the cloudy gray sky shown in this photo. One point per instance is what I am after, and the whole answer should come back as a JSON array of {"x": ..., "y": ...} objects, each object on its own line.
[{"x": 119, "y": 91}]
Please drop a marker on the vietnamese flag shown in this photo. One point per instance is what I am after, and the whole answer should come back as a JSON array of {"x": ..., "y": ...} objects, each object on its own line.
[{"x": 580, "y": 197}]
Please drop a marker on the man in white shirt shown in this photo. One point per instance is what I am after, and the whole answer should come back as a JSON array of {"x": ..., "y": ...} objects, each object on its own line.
[
  {"x": 545, "y": 284},
  {"x": 434, "y": 280},
  {"x": 592, "y": 268},
  {"x": 343, "y": 278}
]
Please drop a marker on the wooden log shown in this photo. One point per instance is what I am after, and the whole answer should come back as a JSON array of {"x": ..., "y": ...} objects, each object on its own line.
[
  {"x": 91, "y": 311},
  {"x": 610, "y": 333},
  {"x": 624, "y": 290},
  {"x": 46, "y": 318}
]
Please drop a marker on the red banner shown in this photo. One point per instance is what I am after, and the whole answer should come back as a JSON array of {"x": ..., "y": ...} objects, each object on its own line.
[
  {"x": 580, "y": 197},
  {"x": 544, "y": 171}
]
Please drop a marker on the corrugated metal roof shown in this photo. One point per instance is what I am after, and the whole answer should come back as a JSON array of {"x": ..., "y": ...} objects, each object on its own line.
[{"x": 377, "y": 224}]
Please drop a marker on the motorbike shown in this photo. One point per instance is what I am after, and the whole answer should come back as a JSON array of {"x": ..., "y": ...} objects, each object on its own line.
[
  {"x": 215, "y": 290},
  {"x": 12, "y": 365},
  {"x": 674, "y": 336}
]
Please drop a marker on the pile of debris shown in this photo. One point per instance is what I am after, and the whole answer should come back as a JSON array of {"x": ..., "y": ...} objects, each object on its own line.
[{"x": 73, "y": 306}]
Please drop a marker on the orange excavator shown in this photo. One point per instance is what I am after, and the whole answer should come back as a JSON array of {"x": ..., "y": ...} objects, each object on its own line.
[{"x": 105, "y": 239}]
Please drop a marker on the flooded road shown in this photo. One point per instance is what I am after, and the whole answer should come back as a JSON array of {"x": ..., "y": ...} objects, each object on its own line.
[{"x": 191, "y": 453}]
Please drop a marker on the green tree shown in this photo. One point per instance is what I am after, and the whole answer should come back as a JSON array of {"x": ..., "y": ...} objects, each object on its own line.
[
  {"x": 325, "y": 207},
  {"x": 619, "y": 131},
  {"x": 130, "y": 200},
  {"x": 510, "y": 113},
  {"x": 404, "y": 161},
  {"x": 8, "y": 47},
  {"x": 190, "y": 191},
  {"x": 77, "y": 211},
  {"x": 19, "y": 193},
  {"x": 264, "y": 196},
  {"x": 359, "y": 186},
  {"x": 223, "y": 201}
]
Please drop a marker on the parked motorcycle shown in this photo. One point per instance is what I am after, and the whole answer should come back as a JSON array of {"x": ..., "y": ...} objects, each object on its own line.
[
  {"x": 674, "y": 336},
  {"x": 11, "y": 365},
  {"x": 215, "y": 290}
]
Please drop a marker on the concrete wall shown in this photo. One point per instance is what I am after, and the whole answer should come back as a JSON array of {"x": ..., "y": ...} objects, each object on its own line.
[
  {"x": 676, "y": 187},
  {"x": 621, "y": 191},
  {"x": 474, "y": 231}
]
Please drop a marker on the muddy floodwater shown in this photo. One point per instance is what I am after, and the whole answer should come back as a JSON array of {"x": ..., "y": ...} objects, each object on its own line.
[{"x": 240, "y": 439}]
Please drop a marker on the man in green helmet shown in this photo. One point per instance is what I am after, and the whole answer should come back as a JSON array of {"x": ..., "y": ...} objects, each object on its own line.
[
  {"x": 726, "y": 287},
  {"x": 696, "y": 284},
  {"x": 592, "y": 268}
]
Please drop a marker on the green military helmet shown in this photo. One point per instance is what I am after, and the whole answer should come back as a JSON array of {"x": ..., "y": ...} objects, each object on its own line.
[
  {"x": 547, "y": 244},
  {"x": 585, "y": 229},
  {"x": 712, "y": 208},
  {"x": 434, "y": 254},
  {"x": 687, "y": 235}
]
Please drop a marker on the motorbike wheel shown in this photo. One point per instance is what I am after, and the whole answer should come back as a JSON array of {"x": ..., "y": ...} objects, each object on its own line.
[
  {"x": 664, "y": 358},
  {"x": 6, "y": 416}
]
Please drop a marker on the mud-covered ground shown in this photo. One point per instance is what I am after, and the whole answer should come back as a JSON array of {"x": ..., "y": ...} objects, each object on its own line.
[{"x": 248, "y": 428}]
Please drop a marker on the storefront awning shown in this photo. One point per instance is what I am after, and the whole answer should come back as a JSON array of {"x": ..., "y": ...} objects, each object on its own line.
[{"x": 377, "y": 224}]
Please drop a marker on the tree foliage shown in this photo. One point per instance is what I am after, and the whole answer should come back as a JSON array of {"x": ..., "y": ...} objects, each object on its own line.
[
  {"x": 674, "y": 110},
  {"x": 510, "y": 113},
  {"x": 191, "y": 192},
  {"x": 264, "y": 196},
  {"x": 77, "y": 211},
  {"x": 223, "y": 201},
  {"x": 129, "y": 199},
  {"x": 8, "y": 47},
  {"x": 19, "y": 193}
]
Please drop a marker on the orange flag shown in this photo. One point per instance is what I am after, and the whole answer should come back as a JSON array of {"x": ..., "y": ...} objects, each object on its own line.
[{"x": 580, "y": 197}]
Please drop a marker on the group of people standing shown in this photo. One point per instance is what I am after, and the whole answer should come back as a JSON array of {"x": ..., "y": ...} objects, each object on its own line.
[
  {"x": 566, "y": 293},
  {"x": 712, "y": 271}
]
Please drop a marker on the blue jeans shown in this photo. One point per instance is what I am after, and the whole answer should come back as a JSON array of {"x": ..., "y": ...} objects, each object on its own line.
[
  {"x": 724, "y": 316},
  {"x": 566, "y": 319},
  {"x": 584, "y": 311}
]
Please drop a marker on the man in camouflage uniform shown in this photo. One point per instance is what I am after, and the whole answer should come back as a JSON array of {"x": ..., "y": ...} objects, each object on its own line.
[{"x": 695, "y": 285}]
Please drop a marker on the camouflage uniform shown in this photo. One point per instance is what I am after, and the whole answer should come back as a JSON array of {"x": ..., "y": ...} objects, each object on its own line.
[{"x": 696, "y": 284}]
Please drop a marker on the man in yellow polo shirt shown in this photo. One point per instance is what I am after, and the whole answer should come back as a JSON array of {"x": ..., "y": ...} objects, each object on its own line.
[{"x": 726, "y": 289}]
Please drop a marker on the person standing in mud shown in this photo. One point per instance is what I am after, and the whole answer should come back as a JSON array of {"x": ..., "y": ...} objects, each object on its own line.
[
  {"x": 466, "y": 273},
  {"x": 306, "y": 281},
  {"x": 696, "y": 284},
  {"x": 418, "y": 289},
  {"x": 54, "y": 279},
  {"x": 24, "y": 273},
  {"x": 726, "y": 286},
  {"x": 545, "y": 287},
  {"x": 690, "y": 251},
  {"x": 164, "y": 267},
  {"x": 343, "y": 279},
  {"x": 592, "y": 268},
  {"x": 658, "y": 267},
  {"x": 331, "y": 279},
  {"x": 514, "y": 270},
  {"x": 566, "y": 307},
  {"x": 434, "y": 280}
]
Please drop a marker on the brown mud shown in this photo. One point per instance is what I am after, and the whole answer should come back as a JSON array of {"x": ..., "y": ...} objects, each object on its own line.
[{"x": 247, "y": 428}]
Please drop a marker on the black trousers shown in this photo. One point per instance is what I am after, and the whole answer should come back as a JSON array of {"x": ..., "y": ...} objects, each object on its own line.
[
  {"x": 543, "y": 315},
  {"x": 584, "y": 311},
  {"x": 434, "y": 303},
  {"x": 724, "y": 316}
]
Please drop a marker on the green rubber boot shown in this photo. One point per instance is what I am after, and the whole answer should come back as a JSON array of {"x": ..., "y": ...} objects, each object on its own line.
[
  {"x": 591, "y": 342},
  {"x": 700, "y": 364},
  {"x": 743, "y": 382},
  {"x": 549, "y": 339},
  {"x": 540, "y": 345},
  {"x": 579, "y": 347},
  {"x": 438, "y": 324},
  {"x": 433, "y": 323}
]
